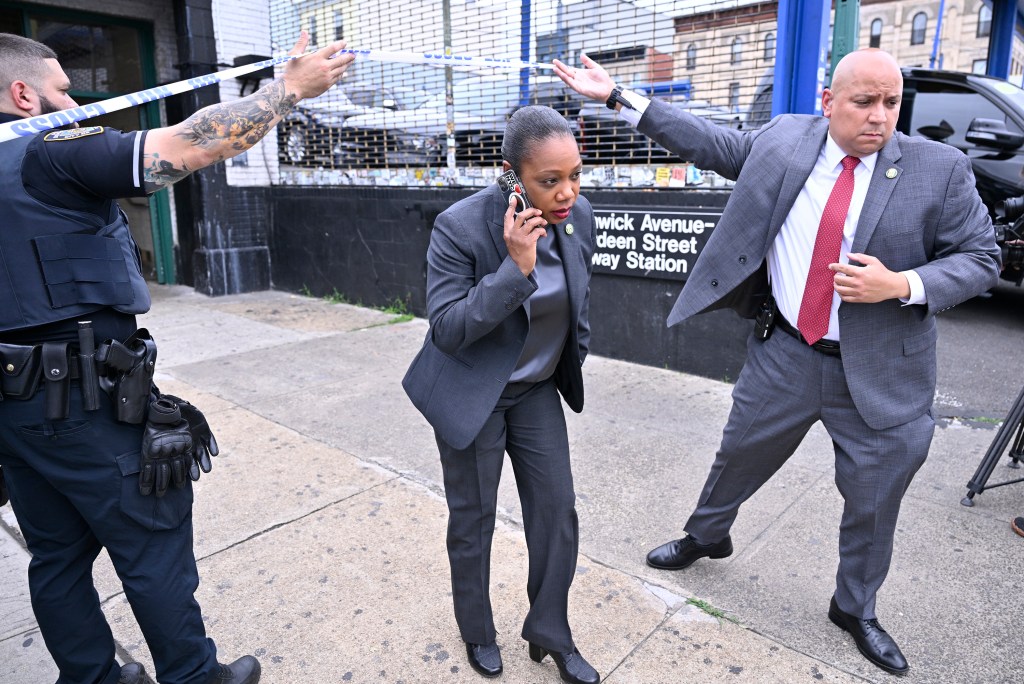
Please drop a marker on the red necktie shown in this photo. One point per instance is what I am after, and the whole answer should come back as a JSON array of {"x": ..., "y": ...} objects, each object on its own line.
[{"x": 817, "y": 302}]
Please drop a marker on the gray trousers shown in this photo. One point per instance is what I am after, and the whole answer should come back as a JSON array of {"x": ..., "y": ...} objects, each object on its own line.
[
  {"x": 529, "y": 424},
  {"x": 783, "y": 389}
]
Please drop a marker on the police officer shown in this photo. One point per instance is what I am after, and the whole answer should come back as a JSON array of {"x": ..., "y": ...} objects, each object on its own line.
[{"x": 83, "y": 474}]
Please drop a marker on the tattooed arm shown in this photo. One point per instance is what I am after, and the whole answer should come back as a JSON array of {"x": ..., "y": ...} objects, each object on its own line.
[{"x": 224, "y": 130}]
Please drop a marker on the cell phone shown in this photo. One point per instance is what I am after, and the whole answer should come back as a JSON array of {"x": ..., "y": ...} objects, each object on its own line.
[{"x": 510, "y": 186}]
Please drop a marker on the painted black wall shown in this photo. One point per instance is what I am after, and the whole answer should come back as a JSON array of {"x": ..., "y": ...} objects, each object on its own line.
[{"x": 369, "y": 245}]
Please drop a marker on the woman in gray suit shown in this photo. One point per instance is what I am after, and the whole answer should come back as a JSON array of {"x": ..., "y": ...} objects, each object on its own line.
[{"x": 507, "y": 299}]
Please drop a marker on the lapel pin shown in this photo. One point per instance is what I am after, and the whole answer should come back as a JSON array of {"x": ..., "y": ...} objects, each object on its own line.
[
  {"x": 568, "y": 229},
  {"x": 891, "y": 173}
]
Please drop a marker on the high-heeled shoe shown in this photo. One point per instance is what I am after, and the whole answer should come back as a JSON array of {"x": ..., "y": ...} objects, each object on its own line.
[{"x": 571, "y": 666}]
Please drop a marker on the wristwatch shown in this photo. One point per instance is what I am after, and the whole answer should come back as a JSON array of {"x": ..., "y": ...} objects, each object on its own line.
[{"x": 616, "y": 98}]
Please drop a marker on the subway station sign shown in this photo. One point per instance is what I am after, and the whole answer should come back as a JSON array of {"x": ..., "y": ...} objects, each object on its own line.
[{"x": 651, "y": 242}]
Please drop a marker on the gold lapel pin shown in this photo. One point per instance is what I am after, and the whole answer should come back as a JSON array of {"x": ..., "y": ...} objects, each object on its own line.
[
  {"x": 891, "y": 173},
  {"x": 568, "y": 229}
]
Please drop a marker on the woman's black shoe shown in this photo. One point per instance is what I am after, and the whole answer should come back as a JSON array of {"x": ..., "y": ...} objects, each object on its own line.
[
  {"x": 572, "y": 666},
  {"x": 485, "y": 658}
]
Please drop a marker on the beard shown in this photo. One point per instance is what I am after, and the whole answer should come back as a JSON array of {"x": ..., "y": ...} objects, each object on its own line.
[{"x": 49, "y": 108}]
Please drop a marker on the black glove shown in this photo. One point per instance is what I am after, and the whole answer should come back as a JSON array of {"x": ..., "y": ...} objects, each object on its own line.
[
  {"x": 166, "y": 449},
  {"x": 204, "y": 445},
  {"x": 3, "y": 489}
]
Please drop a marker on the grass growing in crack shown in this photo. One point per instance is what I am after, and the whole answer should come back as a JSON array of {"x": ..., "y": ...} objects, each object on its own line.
[
  {"x": 398, "y": 308},
  {"x": 711, "y": 610}
]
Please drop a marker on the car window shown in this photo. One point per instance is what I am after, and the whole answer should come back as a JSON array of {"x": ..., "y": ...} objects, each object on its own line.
[{"x": 935, "y": 103}]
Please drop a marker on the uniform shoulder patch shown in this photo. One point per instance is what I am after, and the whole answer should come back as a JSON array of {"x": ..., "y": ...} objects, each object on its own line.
[{"x": 73, "y": 133}]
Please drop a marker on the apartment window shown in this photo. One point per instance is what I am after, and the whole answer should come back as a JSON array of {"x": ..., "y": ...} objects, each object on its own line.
[
  {"x": 769, "y": 47},
  {"x": 984, "y": 21},
  {"x": 309, "y": 23},
  {"x": 339, "y": 25},
  {"x": 691, "y": 57},
  {"x": 918, "y": 27},
  {"x": 734, "y": 96},
  {"x": 876, "y": 33},
  {"x": 979, "y": 66},
  {"x": 737, "y": 51}
]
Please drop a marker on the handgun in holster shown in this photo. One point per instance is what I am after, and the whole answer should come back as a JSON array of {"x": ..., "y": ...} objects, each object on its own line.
[{"x": 128, "y": 374}]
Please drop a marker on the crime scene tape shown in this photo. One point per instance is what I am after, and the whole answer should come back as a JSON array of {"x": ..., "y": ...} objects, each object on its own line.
[{"x": 45, "y": 122}]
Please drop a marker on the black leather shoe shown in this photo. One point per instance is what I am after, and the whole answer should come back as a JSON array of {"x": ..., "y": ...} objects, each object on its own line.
[
  {"x": 484, "y": 658},
  {"x": 682, "y": 553},
  {"x": 133, "y": 673},
  {"x": 571, "y": 666},
  {"x": 873, "y": 642},
  {"x": 245, "y": 670}
]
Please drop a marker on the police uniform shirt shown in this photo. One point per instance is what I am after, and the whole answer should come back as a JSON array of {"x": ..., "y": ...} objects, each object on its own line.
[{"x": 83, "y": 169}]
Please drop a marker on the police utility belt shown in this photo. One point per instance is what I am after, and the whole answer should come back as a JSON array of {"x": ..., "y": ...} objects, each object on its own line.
[{"x": 121, "y": 370}]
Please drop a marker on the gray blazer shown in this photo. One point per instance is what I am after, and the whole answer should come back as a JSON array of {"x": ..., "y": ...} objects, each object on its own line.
[
  {"x": 928, "y": 217},
  {"x": 478, "y": 325}
]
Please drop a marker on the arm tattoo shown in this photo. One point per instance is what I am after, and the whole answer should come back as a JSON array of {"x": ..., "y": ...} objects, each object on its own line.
[
  {"x": 158, "y": 173},
  {"x": 240, "y": 124}
]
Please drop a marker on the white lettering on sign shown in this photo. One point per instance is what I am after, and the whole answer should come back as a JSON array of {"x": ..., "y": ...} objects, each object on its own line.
[
  {"x": 607, "y": 260},
  {"x": 669, "y": 242},
  {"x": 658, "y": 262},
  {"x": 614, "y": 222},
  {"x": 674, "y": 225}
]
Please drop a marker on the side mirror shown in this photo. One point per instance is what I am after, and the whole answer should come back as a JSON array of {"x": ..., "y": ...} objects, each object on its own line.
[{"x": 993, "y": 133}]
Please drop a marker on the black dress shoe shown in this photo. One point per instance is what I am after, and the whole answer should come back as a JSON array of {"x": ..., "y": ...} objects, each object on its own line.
[
  {"x": 245, "y": 670},
  {"x": 682, "y": 553},
  {"x": 872, "y": 641},
  {"x": 133, "y": 673},
  {"x": 572, "y": 667},
  {"x": 485, "y": 658}
]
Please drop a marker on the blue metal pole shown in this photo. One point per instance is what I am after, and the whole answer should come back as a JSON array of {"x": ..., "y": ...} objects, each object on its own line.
[
  {"x": 524, "y": 52},
  {"x": 800, "y": 58},
  {"x": 1000, "y": 45},
  {"x": 938, "y": 35}
]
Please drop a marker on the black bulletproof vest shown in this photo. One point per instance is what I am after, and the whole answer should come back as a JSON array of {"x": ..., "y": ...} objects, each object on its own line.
[{"x": 59, "y": 263}]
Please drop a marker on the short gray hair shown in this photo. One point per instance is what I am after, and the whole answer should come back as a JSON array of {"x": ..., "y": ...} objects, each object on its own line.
[
  {"x": 21, "y": 59},
  {"x": 528, "y": 126}
]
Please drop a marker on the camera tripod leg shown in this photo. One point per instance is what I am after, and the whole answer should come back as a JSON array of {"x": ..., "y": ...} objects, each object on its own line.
[{"x": 1013, "y": 423}]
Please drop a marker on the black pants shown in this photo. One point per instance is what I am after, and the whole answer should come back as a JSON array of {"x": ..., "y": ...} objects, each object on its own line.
[
  {"x": 529, "y": 424},
  {"x": 74, "y": 486}
]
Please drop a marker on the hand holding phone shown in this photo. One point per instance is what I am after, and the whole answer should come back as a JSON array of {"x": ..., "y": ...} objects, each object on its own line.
[{"x": 523, "y": 223}]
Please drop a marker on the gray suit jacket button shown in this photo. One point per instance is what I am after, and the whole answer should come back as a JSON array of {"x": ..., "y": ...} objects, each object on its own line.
[
  {"x": 714, "y": 283},
  {"x": 743, "y": 259}
]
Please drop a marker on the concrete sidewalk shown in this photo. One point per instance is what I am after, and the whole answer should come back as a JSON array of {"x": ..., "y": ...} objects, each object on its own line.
[{"x": 320, "y": 532}]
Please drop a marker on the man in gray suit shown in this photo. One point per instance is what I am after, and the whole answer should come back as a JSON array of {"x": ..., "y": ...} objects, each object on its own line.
[{"x": 859, "y": 235}]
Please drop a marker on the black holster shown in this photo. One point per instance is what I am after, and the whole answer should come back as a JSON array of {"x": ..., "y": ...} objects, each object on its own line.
[{"x": 128, "y": 374}]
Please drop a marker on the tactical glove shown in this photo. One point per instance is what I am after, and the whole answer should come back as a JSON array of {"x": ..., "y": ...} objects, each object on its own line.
[
  {"x": 3, "y": 489},
  {"x": 166, "y": 449},
  {"x": 204, "y": 444}
]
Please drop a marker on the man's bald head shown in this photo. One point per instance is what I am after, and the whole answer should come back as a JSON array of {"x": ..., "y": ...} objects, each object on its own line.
[
  {"x": 867, "y": 62},
  {"x": 863, "y": 102}
]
